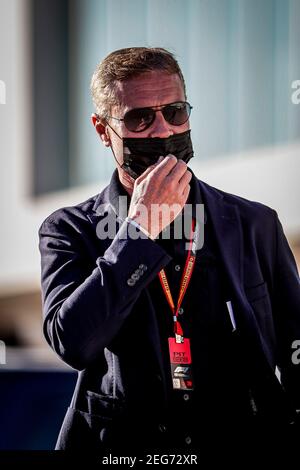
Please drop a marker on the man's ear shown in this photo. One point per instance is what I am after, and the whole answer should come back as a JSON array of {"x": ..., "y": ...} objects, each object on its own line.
[{"x": 101, "y": 128}]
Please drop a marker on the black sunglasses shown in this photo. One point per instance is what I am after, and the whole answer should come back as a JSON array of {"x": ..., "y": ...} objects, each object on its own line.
[{"x": 139, "y": 119}]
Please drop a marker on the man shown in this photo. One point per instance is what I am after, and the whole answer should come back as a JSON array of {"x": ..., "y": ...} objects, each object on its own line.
[{"x": 173, "y": 340}]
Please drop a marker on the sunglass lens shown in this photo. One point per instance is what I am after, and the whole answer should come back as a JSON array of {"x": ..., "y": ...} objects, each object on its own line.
[
  {"x": 137, "y": 120},
  {"x": 177, "y": 113}
]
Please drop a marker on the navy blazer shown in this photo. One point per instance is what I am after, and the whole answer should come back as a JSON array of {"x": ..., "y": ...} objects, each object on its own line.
[{"x": 104, "y": 325}]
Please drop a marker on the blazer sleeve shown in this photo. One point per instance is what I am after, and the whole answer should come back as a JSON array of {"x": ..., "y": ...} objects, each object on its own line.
[
  {"x": 287, "y": 314},
  {"x": 85, "y": 306}
]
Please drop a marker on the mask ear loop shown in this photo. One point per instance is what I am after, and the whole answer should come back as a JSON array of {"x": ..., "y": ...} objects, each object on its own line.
[
  {"x": 123, "y": 166},
  {"x": 113, "y": 152}
]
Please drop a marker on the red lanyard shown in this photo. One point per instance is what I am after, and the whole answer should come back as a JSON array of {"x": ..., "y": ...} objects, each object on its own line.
[{"x": 185, "y": 280}]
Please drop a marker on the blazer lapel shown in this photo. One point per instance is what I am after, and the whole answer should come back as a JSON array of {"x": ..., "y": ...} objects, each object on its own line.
[
  {"x": 227, "y": 228},
  {"x": 225, "y": 218}
]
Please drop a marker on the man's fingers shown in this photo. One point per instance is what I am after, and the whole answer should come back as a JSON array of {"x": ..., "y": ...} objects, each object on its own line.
[
  {"x": 172, "y": 167},
  {"x": 186, "y": 192},
  {"x": 178, "y": 171},
  {"x": 148, "y": 170},
  {"x": 184, "y": 180},
  {"x": 165, "y": 166}
]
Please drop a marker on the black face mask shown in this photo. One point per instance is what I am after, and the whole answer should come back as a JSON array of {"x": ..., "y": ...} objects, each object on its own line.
[{"x": 140, "y": 153}]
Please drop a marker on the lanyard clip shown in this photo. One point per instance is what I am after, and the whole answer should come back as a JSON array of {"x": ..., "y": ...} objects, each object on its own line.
[{"x": 178, "y": 332}]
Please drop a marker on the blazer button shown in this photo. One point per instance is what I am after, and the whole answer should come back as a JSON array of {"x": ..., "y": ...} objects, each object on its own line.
[
  {"x": 130, "y": 282},
  {"x": 162, "y": 427},
  {"x": 188, "y": 440}
]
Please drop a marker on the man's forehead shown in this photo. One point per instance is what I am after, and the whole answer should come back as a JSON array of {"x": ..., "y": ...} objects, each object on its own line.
[{"x": 149, "y": 89}]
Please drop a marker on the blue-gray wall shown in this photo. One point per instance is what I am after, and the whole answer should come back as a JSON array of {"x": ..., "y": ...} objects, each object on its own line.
[{"x": 239, "y": 58}]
